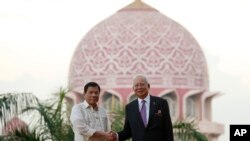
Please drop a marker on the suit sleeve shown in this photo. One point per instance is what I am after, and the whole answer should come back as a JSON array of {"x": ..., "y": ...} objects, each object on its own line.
[
  {"x": 126, "y": 132},
  {"x": 167, "y": 122}
]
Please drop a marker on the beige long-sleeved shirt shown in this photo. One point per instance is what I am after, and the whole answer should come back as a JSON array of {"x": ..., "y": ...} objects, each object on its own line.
[{"x": 86, "y": 121}]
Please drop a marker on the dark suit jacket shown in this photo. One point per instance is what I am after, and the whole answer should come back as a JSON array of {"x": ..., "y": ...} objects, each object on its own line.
[{"x": 159, "y": 127}]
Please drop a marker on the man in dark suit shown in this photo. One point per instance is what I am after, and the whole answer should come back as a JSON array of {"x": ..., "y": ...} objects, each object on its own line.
[{"x": 147, "y": 118}]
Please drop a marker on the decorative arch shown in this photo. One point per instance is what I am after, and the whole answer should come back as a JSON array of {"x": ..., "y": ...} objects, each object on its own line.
[
  {"x": 192, "y": 104},
  {"x": 111, "y": 100},
  {"x": 172, "y": 98},
  {"x": 207, "y": 103},
  {"x": 74, "y": 97},
  {"x": 131, "y": 97}
]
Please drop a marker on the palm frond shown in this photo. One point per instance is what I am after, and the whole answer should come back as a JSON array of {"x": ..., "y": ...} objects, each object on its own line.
[
  {"x": 49, "y": 118},
  {"x": 186, "y": 131},
  {"x": 12, "y": 105},
  {"x": 23, "y": 135},
  {"x": 119, "y": 116}
]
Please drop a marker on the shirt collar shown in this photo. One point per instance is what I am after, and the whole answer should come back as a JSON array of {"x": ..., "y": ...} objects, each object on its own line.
[
  {"x": 86, "y": 105},
  {"x": 147, "y": 99}
]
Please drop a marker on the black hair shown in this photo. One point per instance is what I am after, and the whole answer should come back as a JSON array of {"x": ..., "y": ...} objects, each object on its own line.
[{"x": 91, "y": 84}]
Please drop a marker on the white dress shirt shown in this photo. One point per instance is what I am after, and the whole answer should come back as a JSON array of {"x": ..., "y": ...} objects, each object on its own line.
[
  {"x": 86, "y": 121},
  {"x": 147, "y": 103}
]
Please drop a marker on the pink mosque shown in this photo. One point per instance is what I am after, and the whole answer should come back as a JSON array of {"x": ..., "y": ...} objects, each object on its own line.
[{"x": 138, "y": 39}]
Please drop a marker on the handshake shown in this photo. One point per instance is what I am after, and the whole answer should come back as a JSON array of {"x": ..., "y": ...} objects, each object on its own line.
[{"x": 110, "y": 136}]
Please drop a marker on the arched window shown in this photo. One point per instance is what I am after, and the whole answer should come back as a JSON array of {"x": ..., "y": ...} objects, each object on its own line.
[
  {"x": 207, "y": 108},
  {"x": 111, "y": 102},
  {"x": 191, "y": 107},
  {"x": 132, "y": 97},
  {"x": 172, "y": 103}
]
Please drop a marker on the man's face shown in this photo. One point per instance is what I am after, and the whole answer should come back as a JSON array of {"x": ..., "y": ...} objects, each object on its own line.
[
  {"x": 92, "y": 95},
  {"x": 141, "y": 87}
]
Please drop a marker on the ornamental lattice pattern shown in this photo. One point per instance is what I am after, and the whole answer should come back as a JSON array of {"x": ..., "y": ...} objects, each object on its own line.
[{"x": 139, "y": 42}]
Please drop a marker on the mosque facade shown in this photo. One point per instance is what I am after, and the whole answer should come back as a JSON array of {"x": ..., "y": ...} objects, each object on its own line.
[{"x": 138, "y": 39}]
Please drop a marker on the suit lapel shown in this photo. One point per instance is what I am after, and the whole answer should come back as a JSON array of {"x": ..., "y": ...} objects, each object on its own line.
[
  {"x": 137, "y": 113},
  {"x": 151, "y": 110}
]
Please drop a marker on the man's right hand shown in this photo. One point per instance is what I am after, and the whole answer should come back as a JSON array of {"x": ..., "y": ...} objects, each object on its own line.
[{"x": 112, "y": 136}]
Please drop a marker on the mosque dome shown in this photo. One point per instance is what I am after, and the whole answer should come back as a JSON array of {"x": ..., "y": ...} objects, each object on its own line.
[{"x": 139, "y": 41}]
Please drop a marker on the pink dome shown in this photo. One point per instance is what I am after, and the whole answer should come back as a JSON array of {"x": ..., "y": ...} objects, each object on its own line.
[{"x": 139, "y": 41}]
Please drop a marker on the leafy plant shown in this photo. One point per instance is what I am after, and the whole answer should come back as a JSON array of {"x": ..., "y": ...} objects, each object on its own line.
[
  {"x": 48, "y": 120},
  {"x": 186, "y": 131},
  {"x": 118, "y": 121}
]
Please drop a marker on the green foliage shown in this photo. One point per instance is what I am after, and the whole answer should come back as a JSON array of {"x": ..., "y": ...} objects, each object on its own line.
[
  {"x": 12, "y": 105},
  {"x": 186, "y": 131},
  {"x": 117, "y": 124},
  {"x": 22, "y": 135},
  {"x": 49, "y": 120}
]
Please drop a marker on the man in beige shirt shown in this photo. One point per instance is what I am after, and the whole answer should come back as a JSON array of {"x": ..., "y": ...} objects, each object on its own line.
[{"x": 90, "y": 121}]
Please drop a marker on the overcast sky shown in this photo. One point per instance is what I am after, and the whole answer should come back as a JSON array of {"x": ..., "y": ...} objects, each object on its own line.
[{"x": 38, "y": 38}]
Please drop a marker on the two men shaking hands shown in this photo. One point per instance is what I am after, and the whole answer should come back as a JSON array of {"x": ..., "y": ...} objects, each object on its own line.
[{"x": 147, "y": 118}]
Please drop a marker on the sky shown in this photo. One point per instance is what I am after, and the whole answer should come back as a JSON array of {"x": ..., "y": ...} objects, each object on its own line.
[{"x": 38, "y": 38}]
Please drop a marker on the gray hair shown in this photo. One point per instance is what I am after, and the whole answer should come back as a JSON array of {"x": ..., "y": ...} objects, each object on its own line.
[{"x": 142, "y": 76}]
